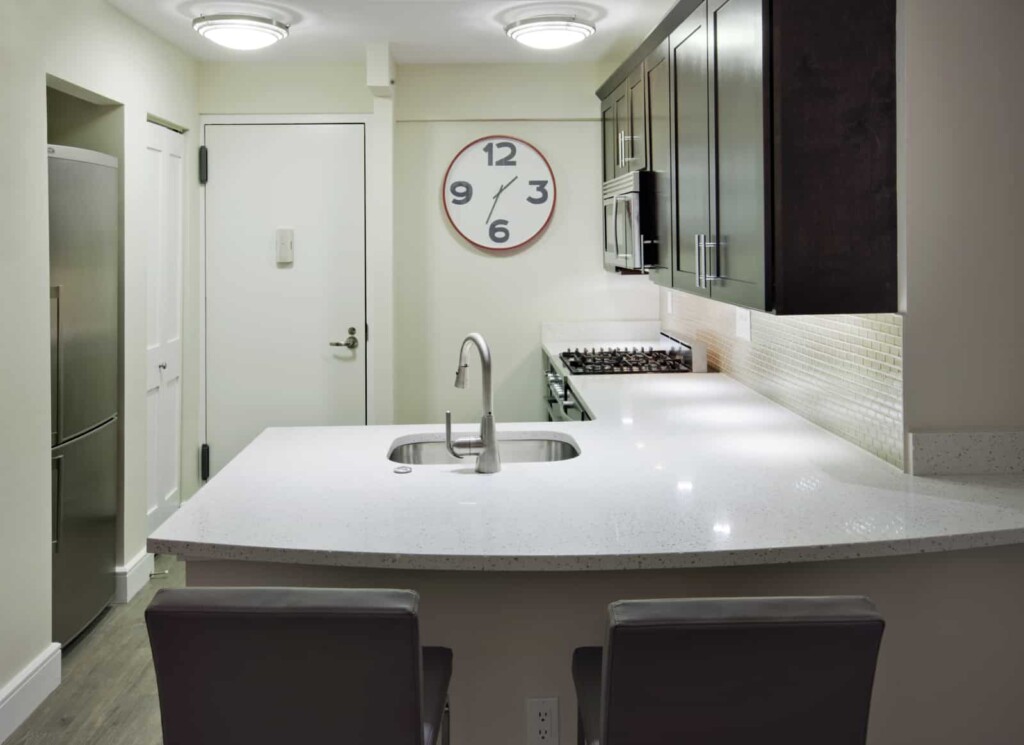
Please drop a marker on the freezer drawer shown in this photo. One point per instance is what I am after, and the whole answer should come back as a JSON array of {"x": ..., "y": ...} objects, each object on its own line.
[
  {"x": 83, "y": 290},
  {"x": 84, "y": 493}
]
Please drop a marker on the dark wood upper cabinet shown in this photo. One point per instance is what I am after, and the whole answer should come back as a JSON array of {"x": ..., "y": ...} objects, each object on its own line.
[
  {"x": 624, "y": 125},
  {"x": 688, "y": 50},
  {"x": 781, "y": 158},
  {"x": 636, "y": 137},
  {"x": 659, "y": 252}
]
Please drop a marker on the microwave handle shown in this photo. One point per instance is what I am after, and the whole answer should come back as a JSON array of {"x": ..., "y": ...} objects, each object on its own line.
[
  {"x": 618, "y": 248},
  {"x": 634, "y": 230},
  {"x": 615, "y": 223}
]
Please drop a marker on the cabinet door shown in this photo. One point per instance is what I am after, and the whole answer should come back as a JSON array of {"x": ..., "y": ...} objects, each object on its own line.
[
  {"x": 636, "y": 140},
  {"x": 621, "y": 97},
  {"x": 688, "y": 57},
  {"x": 738, "y": 243},
  {"x": 658, "y": 254},
  {"x": 608, "y": 139}
]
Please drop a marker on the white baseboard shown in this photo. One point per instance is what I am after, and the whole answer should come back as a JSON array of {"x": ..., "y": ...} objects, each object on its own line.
[
  {"x": 132, "y": 577},
  {"x": 28, "y": 689}
]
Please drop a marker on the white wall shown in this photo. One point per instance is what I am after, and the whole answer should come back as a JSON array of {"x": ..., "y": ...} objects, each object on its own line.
[
  {"x": 964, "y": 191},
  {"x": 445, "y": 288},
  {"x": 89, "y": 44},
  {"x": 283, "y": 88}
]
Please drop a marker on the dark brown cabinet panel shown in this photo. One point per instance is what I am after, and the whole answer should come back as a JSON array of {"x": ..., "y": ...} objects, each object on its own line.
[
  {"x": 737, "y": 247},
  {"x": 834, "y": 156},
  {"x": 659, "y": 252},
  {"x": 624, "y": 127},
  {"x": 608, "y": 137},
  {"x": 636, "y": 137},
  {"x": 782, "y": 151},
  {"x": 691, "y": 145}
]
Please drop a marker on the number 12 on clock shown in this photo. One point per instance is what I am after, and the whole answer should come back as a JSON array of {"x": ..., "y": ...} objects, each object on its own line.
[{"x": 499, "y": 193}]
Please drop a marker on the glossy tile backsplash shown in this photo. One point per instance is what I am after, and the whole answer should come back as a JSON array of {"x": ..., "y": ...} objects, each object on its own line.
[{"x": 844, "y": 373}]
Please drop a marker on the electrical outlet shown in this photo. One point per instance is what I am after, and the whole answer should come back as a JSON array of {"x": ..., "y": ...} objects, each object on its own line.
[
  {"x": 743, "y": 324},
  {"x": 668, "y": 301},
  {"x": 542, "y": 721}
]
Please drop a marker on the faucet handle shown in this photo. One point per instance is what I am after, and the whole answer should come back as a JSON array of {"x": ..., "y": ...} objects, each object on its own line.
[{"x": 448, "y": 434}]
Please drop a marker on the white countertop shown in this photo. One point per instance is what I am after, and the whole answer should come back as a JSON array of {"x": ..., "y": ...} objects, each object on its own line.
[{"x": 679, "y": 470}]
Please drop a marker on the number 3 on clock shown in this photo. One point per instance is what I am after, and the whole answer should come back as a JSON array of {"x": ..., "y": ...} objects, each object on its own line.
[{"x": 499, "y": 193}]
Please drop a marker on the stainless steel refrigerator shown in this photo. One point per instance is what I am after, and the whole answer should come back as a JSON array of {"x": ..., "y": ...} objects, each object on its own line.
[{"x": 83, "y": 383}]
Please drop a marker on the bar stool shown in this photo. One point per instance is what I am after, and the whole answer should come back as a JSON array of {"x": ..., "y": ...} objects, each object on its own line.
[
  {"x": 793, "y": 671},
  {"x": 270, "y": 666}
]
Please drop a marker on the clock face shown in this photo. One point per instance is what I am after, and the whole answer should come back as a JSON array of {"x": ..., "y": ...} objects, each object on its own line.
[{"x": 499, "y": 193}]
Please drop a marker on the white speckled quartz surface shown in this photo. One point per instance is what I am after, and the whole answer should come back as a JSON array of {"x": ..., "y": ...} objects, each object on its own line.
[{"x": 675, "y": 471}]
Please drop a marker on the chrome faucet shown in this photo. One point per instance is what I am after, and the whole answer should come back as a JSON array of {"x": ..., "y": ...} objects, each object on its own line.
[{"x": 485, "y": 447}]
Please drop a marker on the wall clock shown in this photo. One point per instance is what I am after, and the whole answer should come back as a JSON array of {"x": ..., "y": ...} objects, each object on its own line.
[{"x": 499, "y": 193}]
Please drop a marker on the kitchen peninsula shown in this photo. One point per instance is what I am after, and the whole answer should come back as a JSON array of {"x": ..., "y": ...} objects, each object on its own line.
[{"x": 686, "y": 485}]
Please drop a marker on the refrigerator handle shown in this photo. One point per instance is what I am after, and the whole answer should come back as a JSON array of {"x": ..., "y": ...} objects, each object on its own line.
[
  {"x": 57, "y": 495},
  {"x": 57, "y": 367}
]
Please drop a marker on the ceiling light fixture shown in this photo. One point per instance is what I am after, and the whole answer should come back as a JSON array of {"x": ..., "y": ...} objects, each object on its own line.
[
  {"x": 549, "y": 32},
  {"x": 240, "y": 31}
]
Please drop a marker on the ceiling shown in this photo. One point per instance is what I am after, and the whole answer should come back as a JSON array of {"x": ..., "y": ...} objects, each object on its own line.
[{"x": 420, "y": 31}]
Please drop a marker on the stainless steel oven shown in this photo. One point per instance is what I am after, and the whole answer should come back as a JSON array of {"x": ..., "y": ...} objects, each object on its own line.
[
  {"x": 561, "y": 402},
  {"x": 628, "y": 221}
]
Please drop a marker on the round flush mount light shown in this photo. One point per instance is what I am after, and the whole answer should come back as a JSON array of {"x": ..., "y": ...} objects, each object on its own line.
[
  {"x": 549, "y": 32},
  {"x": 240, "y": 31}
]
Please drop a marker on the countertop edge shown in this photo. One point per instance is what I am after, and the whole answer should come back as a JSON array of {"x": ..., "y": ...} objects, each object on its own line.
[{"x": 589, "y": 563}]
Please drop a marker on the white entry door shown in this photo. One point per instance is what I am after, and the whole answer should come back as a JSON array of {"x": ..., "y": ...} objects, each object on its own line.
[
  {"x": 165, "y": 231},
  {"x": 277, "y": 322}
]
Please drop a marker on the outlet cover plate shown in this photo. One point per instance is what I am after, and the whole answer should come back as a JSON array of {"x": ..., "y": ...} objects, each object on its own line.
[
  {"x": 743, "y": 324},
  {"x": 542, "y": 721}
]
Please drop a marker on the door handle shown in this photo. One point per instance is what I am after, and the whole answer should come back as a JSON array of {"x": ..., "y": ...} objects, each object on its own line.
[
  {"x": 57, "y": 495},
  {"x": 350, "y": 343}
]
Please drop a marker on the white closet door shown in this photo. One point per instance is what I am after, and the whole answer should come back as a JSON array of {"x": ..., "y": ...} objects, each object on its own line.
[{"x": 164, "y": 250}]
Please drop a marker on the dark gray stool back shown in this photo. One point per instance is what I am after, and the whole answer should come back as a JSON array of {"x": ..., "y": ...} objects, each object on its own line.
[
  {"x": 797, "y": 671},
  {"x": 263, "y": 665}
]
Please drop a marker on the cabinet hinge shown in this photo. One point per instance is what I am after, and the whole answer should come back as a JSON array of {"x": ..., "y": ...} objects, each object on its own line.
[
  {"x": 204, "y": 461},
  {"x": 204, "y": 165}
]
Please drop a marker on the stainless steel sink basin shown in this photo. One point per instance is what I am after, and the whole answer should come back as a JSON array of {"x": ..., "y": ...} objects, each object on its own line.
[{"x": 515, "y": 447}]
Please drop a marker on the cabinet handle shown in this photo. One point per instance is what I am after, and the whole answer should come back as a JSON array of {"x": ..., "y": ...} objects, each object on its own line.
[
  {"x": 708, "y": 276},
  {"x": 696, "y": 259}
]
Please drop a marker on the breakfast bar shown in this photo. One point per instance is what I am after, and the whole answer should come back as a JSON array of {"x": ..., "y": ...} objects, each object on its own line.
[{"x": 684, "y": 486}]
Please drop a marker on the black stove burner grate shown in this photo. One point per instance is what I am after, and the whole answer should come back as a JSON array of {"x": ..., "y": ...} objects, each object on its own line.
[{"x": 623, "y": 361}]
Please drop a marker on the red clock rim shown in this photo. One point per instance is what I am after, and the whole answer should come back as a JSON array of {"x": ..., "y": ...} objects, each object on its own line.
[{"x": 554, "y": 191}]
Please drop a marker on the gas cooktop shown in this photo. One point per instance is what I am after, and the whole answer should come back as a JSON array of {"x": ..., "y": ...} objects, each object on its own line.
[{"x": 622, "y": 361}]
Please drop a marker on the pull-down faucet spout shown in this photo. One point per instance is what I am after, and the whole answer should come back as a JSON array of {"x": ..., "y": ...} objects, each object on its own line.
[{"x": 485, "y": 447}]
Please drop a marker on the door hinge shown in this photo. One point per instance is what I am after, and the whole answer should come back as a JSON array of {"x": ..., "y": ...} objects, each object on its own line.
[
  {"x": 366, "y": 336},
  {"x": 204, "y": 462},
  {"x": 204, "y": 165}
]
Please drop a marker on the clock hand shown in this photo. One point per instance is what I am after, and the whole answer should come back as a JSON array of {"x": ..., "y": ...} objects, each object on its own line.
[{"x": 496, "y": 196}]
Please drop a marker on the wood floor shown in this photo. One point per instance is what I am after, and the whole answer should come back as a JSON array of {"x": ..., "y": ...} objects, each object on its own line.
[{"x": 107, "y": 694}]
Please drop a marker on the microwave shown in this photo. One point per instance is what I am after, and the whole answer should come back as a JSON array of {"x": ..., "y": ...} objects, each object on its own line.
[{"x": 629, "y": 221}]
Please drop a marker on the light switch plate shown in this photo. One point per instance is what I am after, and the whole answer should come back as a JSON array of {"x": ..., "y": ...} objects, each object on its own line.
[
  {"x": 285, "y": 242},
  {"x": 743, "y": 324},
  {"x": 668, "y": 301}
]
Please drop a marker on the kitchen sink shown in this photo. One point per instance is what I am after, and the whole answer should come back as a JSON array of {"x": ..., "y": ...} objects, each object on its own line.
[{"x": 515, "y": 447}]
